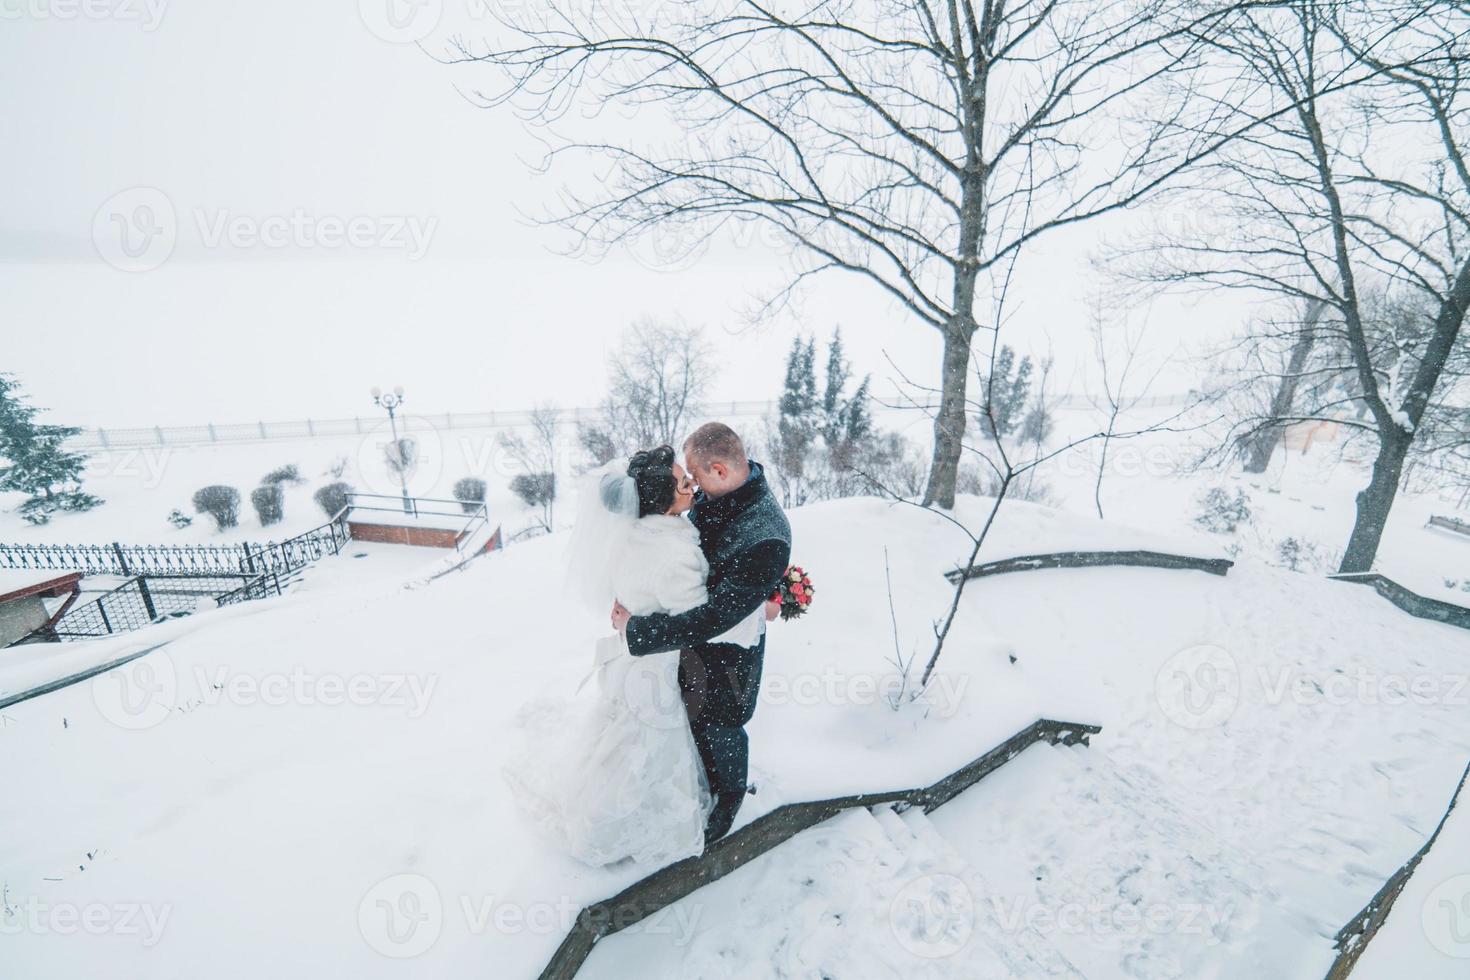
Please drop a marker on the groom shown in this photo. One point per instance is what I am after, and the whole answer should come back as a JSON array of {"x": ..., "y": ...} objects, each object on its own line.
[{"x": 747, "y": 540}]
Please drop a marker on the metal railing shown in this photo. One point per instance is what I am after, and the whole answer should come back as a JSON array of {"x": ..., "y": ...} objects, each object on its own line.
[
  {"x": 172, "y": 580},
  {"x": 167, "y": 559},
  {"x": 474, "y": 514},
  {"x": 146, "y": 599}
]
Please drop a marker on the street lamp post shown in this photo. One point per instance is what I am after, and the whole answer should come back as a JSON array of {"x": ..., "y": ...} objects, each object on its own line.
[{"x": 390, "y": 400}]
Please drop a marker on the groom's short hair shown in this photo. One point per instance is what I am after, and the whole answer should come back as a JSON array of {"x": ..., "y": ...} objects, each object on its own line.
[{"x": 715, "y": 442}]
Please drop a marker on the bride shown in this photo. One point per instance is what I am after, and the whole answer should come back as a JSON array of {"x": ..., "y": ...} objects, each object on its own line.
[{"x": 617, "y": 775}]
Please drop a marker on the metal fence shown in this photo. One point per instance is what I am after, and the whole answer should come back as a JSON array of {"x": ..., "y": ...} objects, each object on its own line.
[
  {"x": 189, "y": 435},
  {"x": 161, "y": 559},
  {"x": 146, "y": 599}
]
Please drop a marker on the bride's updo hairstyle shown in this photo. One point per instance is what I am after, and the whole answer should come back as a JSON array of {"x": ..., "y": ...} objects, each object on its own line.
[{"x": 652, "y": 471}]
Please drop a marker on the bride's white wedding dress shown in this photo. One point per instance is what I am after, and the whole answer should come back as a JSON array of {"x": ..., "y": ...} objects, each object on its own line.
[{"x": 614, "y": 773}]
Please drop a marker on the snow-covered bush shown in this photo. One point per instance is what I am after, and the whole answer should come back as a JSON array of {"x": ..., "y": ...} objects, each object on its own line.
[
  {"x": 332, "y": 497},
  {"x": 470, "y": 492},
  {"x": 38, "y": 510},
  {"x": 536, "y": 489},
  {"x": 337, "y": 467},
  {"x": 269, "y": 501},
  {"x": 289, "y": 473},
  {"x": 221, "y": 503},
  {"x": 1222, "y": 513},
  {"x": 179, "y": 519},
  {"x": 1302, "y": 555}
]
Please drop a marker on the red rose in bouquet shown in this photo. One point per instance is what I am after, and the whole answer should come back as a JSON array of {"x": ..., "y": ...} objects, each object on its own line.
[{"x": 794, "y": 593}]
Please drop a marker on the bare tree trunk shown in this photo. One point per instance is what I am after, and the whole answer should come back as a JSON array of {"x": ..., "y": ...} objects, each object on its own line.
[
  {"x": 949, "y": 421},
  {"x": 1374, "y": 502},
  {"x": 1263, "y": 442}
]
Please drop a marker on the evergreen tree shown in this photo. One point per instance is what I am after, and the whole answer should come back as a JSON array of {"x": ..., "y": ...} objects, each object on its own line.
[
  {"x": 35, "y": 461},
  {"x": 1008, "y": 393},
  {"x": 837, "y": 378},
  {"x": 799, "y": 397},
  {"x": 857, "y": 420},
  {"x": 797, "y": 426}
]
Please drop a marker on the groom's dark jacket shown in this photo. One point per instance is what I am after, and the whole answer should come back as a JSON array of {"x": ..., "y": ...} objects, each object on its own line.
[{"x": 747, "y": 540}]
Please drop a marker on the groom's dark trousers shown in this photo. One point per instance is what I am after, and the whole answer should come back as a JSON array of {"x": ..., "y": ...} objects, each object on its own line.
[
  {"x": 719, "y": 682},
  {"x": 747, "y": 541}
]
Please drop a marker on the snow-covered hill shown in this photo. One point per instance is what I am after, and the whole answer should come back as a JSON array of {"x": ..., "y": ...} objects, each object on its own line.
[{"x": 310, "y": 785}]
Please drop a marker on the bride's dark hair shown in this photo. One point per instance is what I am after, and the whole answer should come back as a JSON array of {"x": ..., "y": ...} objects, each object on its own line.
[{"x": 652, "y": 471}]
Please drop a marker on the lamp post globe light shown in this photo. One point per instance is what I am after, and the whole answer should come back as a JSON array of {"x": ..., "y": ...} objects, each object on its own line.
[{"x": 390, "y": 400}]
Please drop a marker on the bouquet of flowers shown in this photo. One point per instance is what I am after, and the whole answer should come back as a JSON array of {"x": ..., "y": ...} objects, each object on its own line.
[{"x": 794, "y": 593}]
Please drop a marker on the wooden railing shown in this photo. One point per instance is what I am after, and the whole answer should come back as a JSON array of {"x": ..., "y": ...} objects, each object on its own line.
[
  {"x": 1354, "y": 937},
  {"x": 669, "y": 885},
  {"x": 1410, "y": 602},
  {"x": 1093, "y": 559}
]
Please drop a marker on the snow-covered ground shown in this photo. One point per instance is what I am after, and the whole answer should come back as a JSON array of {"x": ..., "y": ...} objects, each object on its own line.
[{"x": 310, "y": 785}]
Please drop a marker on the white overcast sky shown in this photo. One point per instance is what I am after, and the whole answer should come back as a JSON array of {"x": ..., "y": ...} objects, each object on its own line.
[{"x": 281, "y": 110}]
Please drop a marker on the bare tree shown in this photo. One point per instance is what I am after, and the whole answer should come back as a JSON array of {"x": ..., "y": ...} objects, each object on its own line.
[
  {"x": 1259, "y": 444},
  {"x": 536, "y": 455},
  {"x": 655, "y": 381},
  {"x": 1353, "y": 182},
  {"x": 1007, "y": 472},
  {"x": 1121, "y": 390},
  {"x": 918, "y": 145}
]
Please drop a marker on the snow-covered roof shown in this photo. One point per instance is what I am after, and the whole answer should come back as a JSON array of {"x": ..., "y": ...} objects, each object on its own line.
[{"x": 16, "y": 583}]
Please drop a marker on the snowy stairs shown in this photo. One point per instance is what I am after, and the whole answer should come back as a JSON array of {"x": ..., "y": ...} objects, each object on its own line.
[
  {"x": 1116, "y": 878},
  {"x": 944, "y": 911}
]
